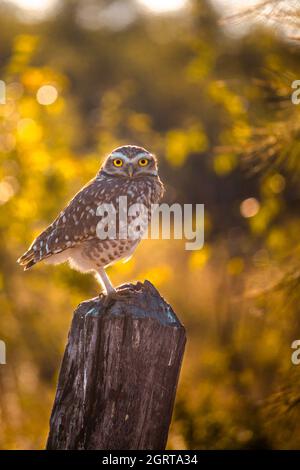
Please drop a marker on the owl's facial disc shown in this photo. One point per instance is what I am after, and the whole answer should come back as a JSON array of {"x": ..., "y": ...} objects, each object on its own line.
[{"x": 141, "y": 163}]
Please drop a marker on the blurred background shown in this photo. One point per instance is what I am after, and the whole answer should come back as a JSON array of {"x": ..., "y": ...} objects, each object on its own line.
[{"x": 206, "y": 85}]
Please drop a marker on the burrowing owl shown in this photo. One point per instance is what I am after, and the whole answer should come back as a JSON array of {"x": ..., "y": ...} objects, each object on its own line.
[{"x": 73, "y": 236}]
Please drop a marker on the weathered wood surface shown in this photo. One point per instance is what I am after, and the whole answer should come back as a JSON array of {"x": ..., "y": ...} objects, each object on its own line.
[{"x": 119, "y": 374}]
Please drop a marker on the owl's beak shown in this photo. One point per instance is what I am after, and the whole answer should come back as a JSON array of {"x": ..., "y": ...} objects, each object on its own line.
[{"x": 130, "y": 170}]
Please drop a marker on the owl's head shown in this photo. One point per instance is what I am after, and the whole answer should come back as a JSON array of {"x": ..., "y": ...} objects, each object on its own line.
[{"x": 130, "y": 161}]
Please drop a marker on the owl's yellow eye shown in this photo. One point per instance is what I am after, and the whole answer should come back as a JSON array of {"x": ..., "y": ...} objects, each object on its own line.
[
  {"x": 118, "y": 162},
  {"x": 143, "y": 162}
]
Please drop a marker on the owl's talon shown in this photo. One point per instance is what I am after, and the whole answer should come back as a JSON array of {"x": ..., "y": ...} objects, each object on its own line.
[
  {"x": 114, "y": 296},
  {"x": 109, "y": 298},
  {"x": 124, "y": 293}
]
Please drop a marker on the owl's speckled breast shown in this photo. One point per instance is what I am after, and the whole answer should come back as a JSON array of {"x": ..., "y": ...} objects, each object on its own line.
[{"x": 101, "y": 253}]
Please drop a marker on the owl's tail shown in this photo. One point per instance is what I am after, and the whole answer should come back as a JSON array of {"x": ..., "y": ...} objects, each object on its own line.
[{"x": 27, "y": 259}]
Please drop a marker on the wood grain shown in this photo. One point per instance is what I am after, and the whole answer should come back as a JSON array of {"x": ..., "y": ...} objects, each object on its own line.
[{"x": 119, "y": 374}]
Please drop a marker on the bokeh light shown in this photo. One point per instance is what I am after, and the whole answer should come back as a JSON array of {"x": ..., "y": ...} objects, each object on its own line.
[
  {"x": 161, "y": 6},
  {"x": 277, "y": 183},
  {"x": 46, "y": 95},
  {"x": 249, "y": 207},
  {"x": 6, "y": 191}
]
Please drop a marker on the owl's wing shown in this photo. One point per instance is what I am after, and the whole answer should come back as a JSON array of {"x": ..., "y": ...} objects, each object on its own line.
[{"x": 76, "y": 223}]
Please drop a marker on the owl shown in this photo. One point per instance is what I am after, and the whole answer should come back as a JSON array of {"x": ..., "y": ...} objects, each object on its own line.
[{"x": 129, "y": 171}]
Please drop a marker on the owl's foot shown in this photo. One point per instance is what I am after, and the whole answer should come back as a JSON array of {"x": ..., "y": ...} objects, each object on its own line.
[{"x": 122, "y": 293}]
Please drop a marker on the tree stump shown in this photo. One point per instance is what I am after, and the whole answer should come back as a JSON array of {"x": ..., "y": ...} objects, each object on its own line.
[{"x": 119, "y": 374}]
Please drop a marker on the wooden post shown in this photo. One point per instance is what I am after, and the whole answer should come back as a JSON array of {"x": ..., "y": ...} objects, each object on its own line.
[{"x": 119, "y": 374}]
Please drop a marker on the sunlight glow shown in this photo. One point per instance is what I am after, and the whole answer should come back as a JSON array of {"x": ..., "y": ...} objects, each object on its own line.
[
  {"x": 162, "y": 6},
  {"x": 34, "y": 5},
  {"x": 39, "y": 7},
  {"x": 229, "y": 7}
]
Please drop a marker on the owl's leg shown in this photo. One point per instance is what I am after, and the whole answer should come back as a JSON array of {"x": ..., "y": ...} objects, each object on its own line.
[
  {"x": 110, "y": 294},
  {"x": 105, "y": 282}
]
